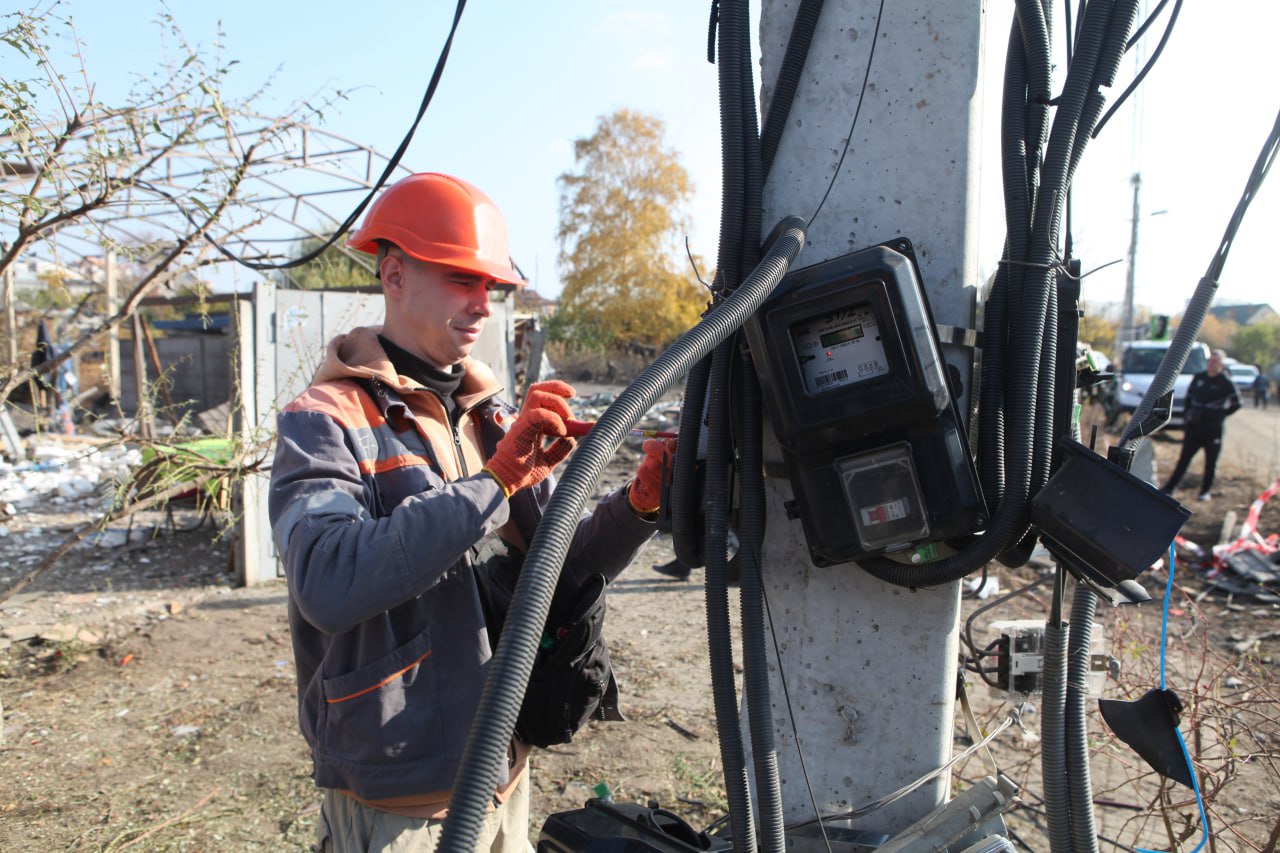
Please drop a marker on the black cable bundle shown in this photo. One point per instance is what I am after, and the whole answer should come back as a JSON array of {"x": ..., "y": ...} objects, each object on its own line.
[{"x": 1019, "y": 398}]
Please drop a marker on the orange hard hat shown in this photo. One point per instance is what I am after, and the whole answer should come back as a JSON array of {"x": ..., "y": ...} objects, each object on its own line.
[{"x": 440, "y": 219}]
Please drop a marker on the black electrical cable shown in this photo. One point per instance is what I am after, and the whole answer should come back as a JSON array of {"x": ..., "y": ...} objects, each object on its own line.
[
  {"x": 733, "y": 155},
  {"x": 719, "y": 634},
  {"x": 686, "y": 502},
  {"x": 1068, "y": 320},
  {"x": 686, "y": 497},
  {"x": 749, "y": 419},
  {"x": 392, "y": 163},
  {"x": 739, "y": 250},
  {"x": 738, "y": 438},
  {"x": 752, "y": 160},
  {"x": 1041, "y": 251},
  {"x": 1074, "y": 33},
  {"x": 1024, "y": 123},
  {"x": 789, "y": 75},
  {"x": 1053, "y": 753},
  {"x": 712, "y": 26},
  {"x": 1084, "y": 829},
  {"x": 1031, "y": 332},
  {"x": 1124, "y": 15},
  {"x": 754, "y": 655},
  {"x": 1145, "y": 25},
  {"x": 1141, "y": 75},
  {"x": 1034, "y": 336},
  {"x": 982, "y": 582}
]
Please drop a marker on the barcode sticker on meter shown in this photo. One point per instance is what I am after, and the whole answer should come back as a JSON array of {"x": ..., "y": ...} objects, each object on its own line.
[
  {"x": 886, "y": 512},
  {"x": 825, "y": 379}
]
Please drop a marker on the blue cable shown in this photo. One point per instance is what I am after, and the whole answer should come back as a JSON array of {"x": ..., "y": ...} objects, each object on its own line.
[{"x": 1164, "y": 634}]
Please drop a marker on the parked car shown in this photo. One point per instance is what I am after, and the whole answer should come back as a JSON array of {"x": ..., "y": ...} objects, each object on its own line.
[
  {"x": 1138, "y": 365},
  {"x": 1243, "y": 375}
]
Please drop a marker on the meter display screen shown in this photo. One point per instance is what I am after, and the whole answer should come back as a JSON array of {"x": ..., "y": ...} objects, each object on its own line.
[{"x": 839, "y": 348}]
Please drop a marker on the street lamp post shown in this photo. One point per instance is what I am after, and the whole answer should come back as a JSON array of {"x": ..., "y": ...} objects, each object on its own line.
[{"x": 1126, "y": 333}]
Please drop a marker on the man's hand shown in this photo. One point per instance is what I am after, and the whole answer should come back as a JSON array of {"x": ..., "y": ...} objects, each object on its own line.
[
  {"x": 645, "y": 493},
  {"x": 521, "y": 459}
]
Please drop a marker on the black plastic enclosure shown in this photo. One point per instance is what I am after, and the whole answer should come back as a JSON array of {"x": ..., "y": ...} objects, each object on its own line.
[
  {"x": 1105, "y": 525},
  {"x": 856, "y": 391}
]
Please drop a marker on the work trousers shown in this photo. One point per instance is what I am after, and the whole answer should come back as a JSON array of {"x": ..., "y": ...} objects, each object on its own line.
[
  {"x": 1195, "y": 439},
  {"x": 347, "y": 826}
]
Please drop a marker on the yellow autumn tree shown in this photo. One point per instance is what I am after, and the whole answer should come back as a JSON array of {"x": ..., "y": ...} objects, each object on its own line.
[
  {"x": 1218, "y": 334},
  {"x": 626, "y": 277}
]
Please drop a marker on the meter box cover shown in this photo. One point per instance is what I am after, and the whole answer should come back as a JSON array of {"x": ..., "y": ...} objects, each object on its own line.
[{"x": 860, "y": 400}]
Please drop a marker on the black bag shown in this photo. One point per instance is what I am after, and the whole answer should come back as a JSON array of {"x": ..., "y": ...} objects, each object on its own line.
[{"x": 572, "y": 680}]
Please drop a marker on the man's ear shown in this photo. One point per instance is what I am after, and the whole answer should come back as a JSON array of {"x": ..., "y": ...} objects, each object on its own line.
[{"x": 391, "y": 273}]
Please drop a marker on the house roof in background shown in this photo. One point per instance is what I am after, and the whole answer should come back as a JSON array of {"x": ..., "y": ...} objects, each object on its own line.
[{"x": 1243, "y": 315}]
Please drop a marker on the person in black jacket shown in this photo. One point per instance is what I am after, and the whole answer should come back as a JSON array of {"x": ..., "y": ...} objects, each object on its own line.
[{"x": 1211, "y": 397}]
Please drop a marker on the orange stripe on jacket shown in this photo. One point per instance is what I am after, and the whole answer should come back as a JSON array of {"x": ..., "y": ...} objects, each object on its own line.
[
  {"x": 390, "y": 678},
  {"x": 380, "y": 466}
]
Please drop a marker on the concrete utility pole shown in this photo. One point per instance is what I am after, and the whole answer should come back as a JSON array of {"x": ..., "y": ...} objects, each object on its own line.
[
  {"x": 1126, "y": 322},
  {"x": 870, "y": 667}
]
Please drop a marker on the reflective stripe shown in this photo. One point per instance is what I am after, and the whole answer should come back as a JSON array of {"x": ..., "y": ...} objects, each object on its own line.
[
  {"x": 378, "y": 466},
  {"x": 322, "y": 503},
  {"x": 390, "y": 678}
]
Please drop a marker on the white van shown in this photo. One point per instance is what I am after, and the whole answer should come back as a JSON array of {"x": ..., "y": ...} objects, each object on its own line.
[{"x": 1138, "y": 367}]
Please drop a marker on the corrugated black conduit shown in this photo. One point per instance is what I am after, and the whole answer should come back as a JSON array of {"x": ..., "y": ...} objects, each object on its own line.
[
  {"x": 784, "y": 88},
  {"x": 719, "y": 639},
  {"x": 486, "y": 748},
  {"x": 1084, "y": 829},
  {"x": 1028, "y": 311},
  {"x": 755, "y": 662}
]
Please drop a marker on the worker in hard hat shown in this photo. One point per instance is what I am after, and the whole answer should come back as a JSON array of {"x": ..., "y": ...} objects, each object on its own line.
[{"x": 396, "y": 468}]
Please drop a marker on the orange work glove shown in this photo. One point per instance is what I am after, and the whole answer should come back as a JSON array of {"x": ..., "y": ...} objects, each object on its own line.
[
  {"x": 523, "y": 458},
  {"x": 645, "y": 493}
]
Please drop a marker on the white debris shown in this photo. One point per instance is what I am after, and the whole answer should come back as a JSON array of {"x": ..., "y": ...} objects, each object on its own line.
[
  {"x": 60, "y": 473},
  {"x": 117, "y": 537},
  {"x": 75, "y": 487},
  {"x": 984, "y": 588}
]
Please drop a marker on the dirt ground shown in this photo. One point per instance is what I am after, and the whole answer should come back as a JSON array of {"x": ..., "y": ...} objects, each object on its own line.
[{"x": 148, "y": 703}]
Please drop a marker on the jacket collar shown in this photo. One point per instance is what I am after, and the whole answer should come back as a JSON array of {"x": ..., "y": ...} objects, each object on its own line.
[{"x": 358, "y": 355}]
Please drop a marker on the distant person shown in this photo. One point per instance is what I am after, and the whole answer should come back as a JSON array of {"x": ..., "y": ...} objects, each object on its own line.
[
  {"x": 1261, "y": 388},
  {"x": 395, "y": 474},
  {"x": 1211, "y": 398}
]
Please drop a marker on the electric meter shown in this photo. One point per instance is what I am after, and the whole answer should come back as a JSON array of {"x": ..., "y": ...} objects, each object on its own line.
[{"x": 857, "y": 393}]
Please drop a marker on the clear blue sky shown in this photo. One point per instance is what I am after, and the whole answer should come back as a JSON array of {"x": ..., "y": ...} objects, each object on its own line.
[{"x": 526, "y": 79}]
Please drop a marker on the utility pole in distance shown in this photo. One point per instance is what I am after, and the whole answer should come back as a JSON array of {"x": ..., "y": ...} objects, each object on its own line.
[
  {"x": 871, "y": 667},
  {"x": 1126, "y": 319}
]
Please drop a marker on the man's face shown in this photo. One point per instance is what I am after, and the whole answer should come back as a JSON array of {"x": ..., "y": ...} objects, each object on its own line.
[
  {"x": 1215, "y": 365},
  {"x": 433, "y": 311}
]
